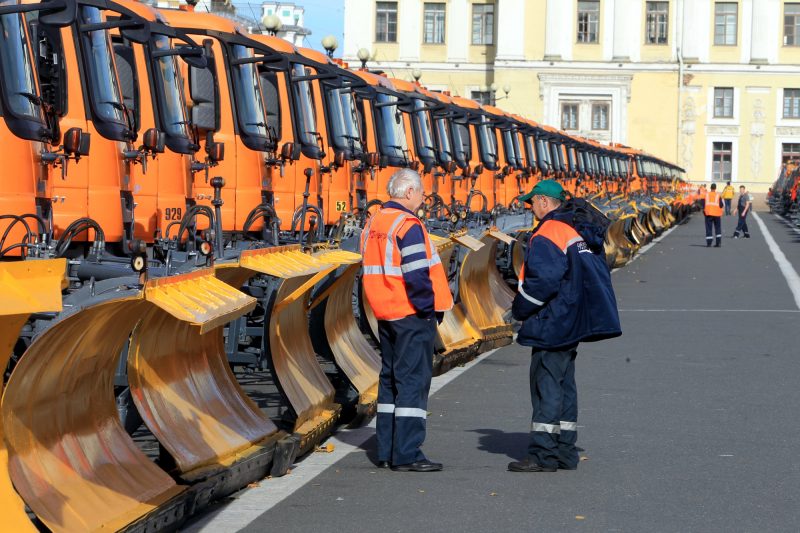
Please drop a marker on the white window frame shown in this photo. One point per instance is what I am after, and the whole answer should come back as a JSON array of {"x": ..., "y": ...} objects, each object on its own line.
[
  {"x": 734, "y": 140},
  {"x": 438, "y": 25}
]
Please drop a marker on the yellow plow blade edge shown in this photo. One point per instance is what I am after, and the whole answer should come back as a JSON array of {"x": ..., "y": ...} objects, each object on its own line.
[
  {"x": 180, "y": 379},
  {"x": 69, "y": 456},
  {"x": 28, "y": 287}
]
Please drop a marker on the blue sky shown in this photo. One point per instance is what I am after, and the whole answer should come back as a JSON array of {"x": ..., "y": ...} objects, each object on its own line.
[{"x": 323, "y": 17}]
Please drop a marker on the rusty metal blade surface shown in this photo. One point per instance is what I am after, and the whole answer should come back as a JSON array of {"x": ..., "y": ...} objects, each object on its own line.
[
  {"x": 281, "y": 262},
  {"x": 186, "y": 394},
  {"x": 27, "y": 287},
  {"x": 69, "y": 457},
  {"x": 356, "y": 357},
  {"x": 199, "y": 298}
]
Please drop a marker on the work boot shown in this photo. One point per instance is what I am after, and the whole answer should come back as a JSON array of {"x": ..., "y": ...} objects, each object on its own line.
[{"x": 528, "y": 465}]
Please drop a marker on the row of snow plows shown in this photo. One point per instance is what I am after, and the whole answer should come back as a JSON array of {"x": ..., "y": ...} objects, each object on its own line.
[{"x": 180, "y": 213}]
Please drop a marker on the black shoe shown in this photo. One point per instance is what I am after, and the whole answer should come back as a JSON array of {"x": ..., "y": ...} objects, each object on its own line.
[
  {"x": 564, "y": 466},
  {"x": 747, "y": 236},
  {"x": 717, "y": 245},
  {"x": 708, "y": 245},
  {"x": 418, "y": 466},
  {"x": 383, "y": 464},
  {"x": 526, "y": 465}
]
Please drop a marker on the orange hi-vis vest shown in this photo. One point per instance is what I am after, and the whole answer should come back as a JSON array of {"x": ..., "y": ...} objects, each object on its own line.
[
  {"x": 382, "y": 271},
  {"x": 712, "y": 208}
]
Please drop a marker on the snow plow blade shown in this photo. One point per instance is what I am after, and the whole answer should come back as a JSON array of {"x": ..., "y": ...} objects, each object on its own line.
[
  {"x": 28, "y": 287},
  {"x": 181, "y": 382},
  {"x": 69, "y": 456},
  {"x": 298, "y": 373},
  {"x": 459, "y": 340},
  {"x": 340, "y": 335},
  {"x": 481, "y": 290}
]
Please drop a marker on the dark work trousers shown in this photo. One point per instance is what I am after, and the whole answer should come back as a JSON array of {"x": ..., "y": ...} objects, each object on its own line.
[
  {"x": 405, "y": 379},
  {"x": 727, "y": 206},
  {"x": 741, "y": 227},
  {"x": 554, "y": 397},
  {"x": 717, "y": 223}
]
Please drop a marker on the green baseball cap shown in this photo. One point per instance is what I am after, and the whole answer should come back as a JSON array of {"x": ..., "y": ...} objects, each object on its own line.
[{"x": 550, "y": 188}]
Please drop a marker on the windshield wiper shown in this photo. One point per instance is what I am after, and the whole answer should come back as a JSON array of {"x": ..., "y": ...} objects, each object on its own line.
[
  {"x": 35, "y": 100},
  {"x": 259, "y": 124},
  {"x": 115, "y": 105}
]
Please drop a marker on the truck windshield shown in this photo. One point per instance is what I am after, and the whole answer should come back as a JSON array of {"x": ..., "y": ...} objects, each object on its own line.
[
  {"x": 530, "y": 150},
  {"x": 344, "y": 124},
  {"x": 19, "y": 83},
  {"x": 445, "y": 147},
  {"x": 510, "y": 149},
  {"x": 390, "y": 124},
  {"x": 247, "y": 87},
  {"x": 169, "y": 84},
  {"x": 422, "y": 127},
  {"x": 462, "y": 142},
  {"x": 103, "y": 83},
  {"x": 304, "y": 102},
  {"x": 487, "y": 142}
]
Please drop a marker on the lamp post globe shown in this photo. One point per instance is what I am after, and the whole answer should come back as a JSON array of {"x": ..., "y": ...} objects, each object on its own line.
[
  {"x": 330, "y": 44},
  {"x": 363, "y": 56}
]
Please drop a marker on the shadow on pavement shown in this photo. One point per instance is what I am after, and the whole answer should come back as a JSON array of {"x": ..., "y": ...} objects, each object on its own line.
[{"x": 514, "y": 445}]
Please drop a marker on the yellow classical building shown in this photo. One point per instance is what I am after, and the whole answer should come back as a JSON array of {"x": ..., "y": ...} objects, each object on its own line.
[{"x": 711, "y": 85}]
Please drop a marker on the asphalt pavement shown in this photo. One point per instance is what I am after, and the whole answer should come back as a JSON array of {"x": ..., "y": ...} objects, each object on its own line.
[{"x": 688, "y": 422}]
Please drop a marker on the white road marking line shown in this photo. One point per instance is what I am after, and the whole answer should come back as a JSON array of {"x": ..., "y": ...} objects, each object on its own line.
[
  {"x": 254, "y": 502},
  {"x": 792, "y": 279}
]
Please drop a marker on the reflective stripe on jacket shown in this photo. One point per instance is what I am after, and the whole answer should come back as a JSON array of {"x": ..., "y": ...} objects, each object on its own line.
[
  {"x": 383, "y": 267},
  {"x": 712, "y": 207}
]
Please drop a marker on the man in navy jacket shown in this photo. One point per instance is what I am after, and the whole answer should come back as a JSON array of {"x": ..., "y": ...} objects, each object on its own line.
[{"x": 565, "y": 297}]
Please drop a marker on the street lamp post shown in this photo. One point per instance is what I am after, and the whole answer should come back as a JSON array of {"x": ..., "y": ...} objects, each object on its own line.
[
  {"x": 417, "y": 74},
  {"x": 493, "y": 93}
]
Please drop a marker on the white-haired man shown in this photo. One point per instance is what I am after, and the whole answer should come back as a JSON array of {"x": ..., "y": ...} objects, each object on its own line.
[{"x": 406, "y": 286}]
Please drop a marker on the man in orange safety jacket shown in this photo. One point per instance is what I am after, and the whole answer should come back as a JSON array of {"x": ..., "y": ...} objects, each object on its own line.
[
  {"x": 406, "y": 286},
  {"x": 712, "y": 208}
]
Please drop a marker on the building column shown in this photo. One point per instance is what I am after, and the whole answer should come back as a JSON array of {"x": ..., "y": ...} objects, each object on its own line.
[
  {"x": 510, "y": 30},
  {"x": 459, "y": 31},
  {"x": 359, "y": 30},
  {"x": 697, "y": 17},
  {"x": 626, "y": 15},
  {"x": 766, "y": 14},
  {"x": 559, "y": 19},
  {"x": 409, "y": 30}
]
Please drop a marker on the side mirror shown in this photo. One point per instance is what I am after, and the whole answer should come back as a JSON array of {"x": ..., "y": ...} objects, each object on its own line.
[
  {"x": 287, "y": 151},
  {"x": 479, "y": 168},
  {"x": 154, "y": 141},
  {"x": 373, "y": 159},
  {"x": 214, "y": 149},
  {"x": 414, "y": 165},
  {"x": 76, "y": 143},
  {"x": 338, "y": 158},
  {"x": 427, "y": 167},
  {"x": 450, "y": 167}
]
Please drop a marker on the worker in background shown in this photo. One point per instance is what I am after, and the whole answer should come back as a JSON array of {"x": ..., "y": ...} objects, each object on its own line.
[
  {"x": 565, "y": 297},
  {"x": 727, "y": 196},
  {"x": 743, "y": 208},
  {"x": 406, "y": 285},
  {"x": 712, "y": 208}
]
